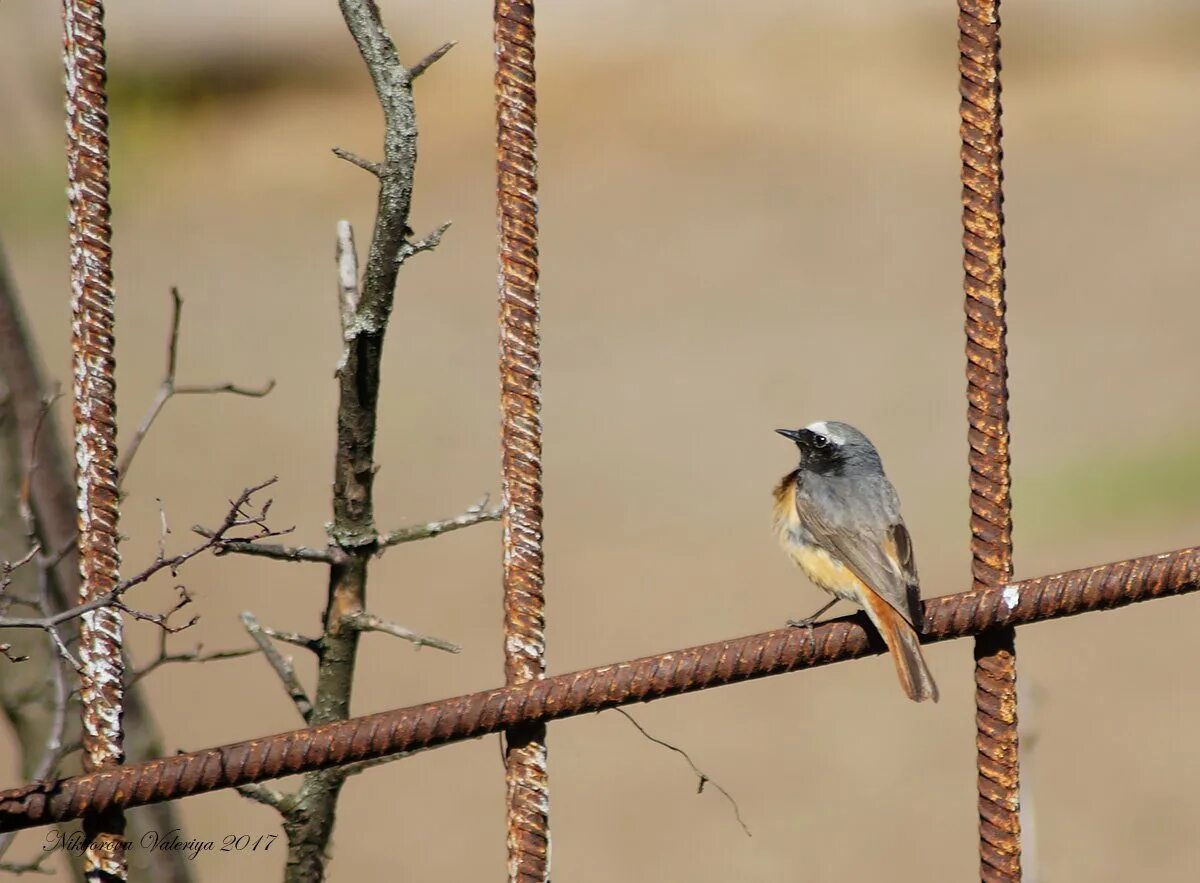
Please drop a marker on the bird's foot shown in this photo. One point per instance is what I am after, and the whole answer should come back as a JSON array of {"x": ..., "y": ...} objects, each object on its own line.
[
  {"x": 803, "y": 624},
  {"x": 809, "y": 621}
]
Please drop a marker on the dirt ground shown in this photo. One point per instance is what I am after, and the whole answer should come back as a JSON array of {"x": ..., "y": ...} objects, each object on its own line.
[{"x": 749, "y": 221}]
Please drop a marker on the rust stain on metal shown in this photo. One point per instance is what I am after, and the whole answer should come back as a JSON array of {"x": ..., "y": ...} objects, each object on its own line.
[
  {"x": 987, "y": 398},
  {"x": 528, "y": 796},
  {"x": 95, "y": 410},
  {"x": 640, "y": 680}
]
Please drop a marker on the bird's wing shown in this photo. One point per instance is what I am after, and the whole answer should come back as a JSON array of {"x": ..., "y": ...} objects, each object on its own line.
[{"x": 876, "y": 548}]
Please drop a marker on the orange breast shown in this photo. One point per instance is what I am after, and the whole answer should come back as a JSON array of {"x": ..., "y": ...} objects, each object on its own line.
[{"x": 824, "y": 570}]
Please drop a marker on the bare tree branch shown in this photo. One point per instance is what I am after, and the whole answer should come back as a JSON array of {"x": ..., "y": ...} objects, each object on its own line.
[
  {"x": 476, "y": 514},
  {"x": 19, "y": 868},
  {"x": 51, "y": 492},
  {"x": 275, "y": 551},
  {"x": 165, "y": 657},
  {"x": 703, "y": 777},
  {"x": 311, "y": 644},
  {"x": 361, "y": 766},
  {"x": 429, "y": 60},
  {"x": 51, "y": 497},
  {"x": 169, "y": 389},
  {"x": 281, "y": 665},
  {"x": 368, "y": 622},
  {"x": 428, "y": 243},
  {"x": 236, "y": 518},
  {"x": 365, "y": 305},
  {"x": 25, "y": 497},
  {"x": 7, "y": 569},
  {"x": 56, "y": 744},
  {"x": 284, "y": 803},
  {"x": 355, "y": 160}
]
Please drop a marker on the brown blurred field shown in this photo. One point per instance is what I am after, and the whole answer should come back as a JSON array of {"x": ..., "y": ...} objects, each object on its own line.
[{"x": 750, "y": 219}]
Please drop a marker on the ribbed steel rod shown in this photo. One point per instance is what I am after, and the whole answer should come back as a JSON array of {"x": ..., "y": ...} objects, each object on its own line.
[
  {"x": 102, "y": 689},
  {"x": 987, "y": 413},
  {"x": 527, "y": 788},
  {"x": 591, "y": 690}
]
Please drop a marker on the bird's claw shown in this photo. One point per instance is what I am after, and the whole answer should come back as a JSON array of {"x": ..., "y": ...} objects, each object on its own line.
[{"x": 803, "y": 624}]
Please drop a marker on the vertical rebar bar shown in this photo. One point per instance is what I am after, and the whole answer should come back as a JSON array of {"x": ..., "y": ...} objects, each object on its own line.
[
  {"x": 987, "y": 396},
  {"x": 95, "y": 412},
  {"x": 521, "y": 432}
]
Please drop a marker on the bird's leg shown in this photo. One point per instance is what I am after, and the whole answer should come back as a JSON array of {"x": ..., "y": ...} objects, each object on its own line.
[{"x": 808, "y": 622}]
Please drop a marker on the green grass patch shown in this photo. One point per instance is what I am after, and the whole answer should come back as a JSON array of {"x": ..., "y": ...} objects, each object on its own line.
[{"x": 1113, "y": 485}]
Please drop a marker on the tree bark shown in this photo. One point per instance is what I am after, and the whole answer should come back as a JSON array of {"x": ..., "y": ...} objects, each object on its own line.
[{"x": 52, "y": 498}]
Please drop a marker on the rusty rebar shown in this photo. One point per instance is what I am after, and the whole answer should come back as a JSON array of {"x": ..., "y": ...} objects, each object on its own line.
[
  {"x": 95, "y": 412},
  {"x": 595, "y": 689},
  {"x": 988, "y": 435},
  {"x": 526, "y": 785}
]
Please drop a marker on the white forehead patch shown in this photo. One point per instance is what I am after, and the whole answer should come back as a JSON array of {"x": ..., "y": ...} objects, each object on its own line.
[{"x": 822, "y": 428}]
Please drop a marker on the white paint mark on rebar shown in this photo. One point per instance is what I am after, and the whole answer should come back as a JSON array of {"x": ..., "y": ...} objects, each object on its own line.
[{"x": 1011, "y": 596}]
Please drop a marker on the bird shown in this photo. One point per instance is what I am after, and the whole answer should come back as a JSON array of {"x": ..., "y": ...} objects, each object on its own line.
[{"x": 838, "y": 517}]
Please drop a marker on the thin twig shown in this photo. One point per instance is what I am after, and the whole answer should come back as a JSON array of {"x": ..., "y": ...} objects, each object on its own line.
[
  {"x": 429, "y": 60},
  {"x": 162, "y": 620},
  {"x": 361, "y": 766},
  {"x": 355, "y": 160},
  {"x": 275, "y": 551},
  {"x": 236, "y": 389},
  {"x": 476, "y": 514},
  {"x": 53, "y": 498},
  {"x": 368, "y": 622},
  {"x": 197, "y": 655},
  {"x": 58, "y": 728},
  {"x": 25, "y": 497},
  {"x": 18, "y": 868},
  {"x": 168, "y": 389},
  {"x": 45, "y": 607},
  {"x": 427, "y": 243},
  {"x": 281, "y": 665},
  {"x": 704, "y": 777},
  {"x": 8, "y": 568},
  {"x": 60, "y": 647},
  {"x": 311, "y": 644},
  {"x": 52, "y": 561},
  {"x": 236, "y": 518},
  {"x": 263, "y": 794}
]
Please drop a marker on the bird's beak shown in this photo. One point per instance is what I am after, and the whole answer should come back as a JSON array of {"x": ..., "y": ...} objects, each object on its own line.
[{"x": 793, "y": 434}]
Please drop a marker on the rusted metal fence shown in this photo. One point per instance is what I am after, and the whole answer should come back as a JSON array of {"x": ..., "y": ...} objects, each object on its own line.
[
  {"x": 594, "y": 689},
  {"x": 527, "y": 788},
  {"x": 990, "y": 611},
  {"x": 102, "y": 672},
  {"x": 987, "y": 414}
]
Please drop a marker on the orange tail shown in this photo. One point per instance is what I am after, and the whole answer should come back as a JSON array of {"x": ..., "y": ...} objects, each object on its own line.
[{"x": 902, "y": 640}]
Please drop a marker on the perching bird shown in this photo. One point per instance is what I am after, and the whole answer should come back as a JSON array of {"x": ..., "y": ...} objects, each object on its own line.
[{"x": 838, "y": 517}]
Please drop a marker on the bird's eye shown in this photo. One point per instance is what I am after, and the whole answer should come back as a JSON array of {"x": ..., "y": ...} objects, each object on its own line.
[{"x": 820, "y": 441}]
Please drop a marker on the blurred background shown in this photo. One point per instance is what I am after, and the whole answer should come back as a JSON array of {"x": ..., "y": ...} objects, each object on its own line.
[{"x": 750, "y": 219}]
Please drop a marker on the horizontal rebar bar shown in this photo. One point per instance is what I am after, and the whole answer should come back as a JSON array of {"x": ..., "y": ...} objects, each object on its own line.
[{"x": 590, "y": 690}]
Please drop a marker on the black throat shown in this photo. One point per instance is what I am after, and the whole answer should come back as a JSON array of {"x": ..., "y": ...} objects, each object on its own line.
[{"x": 826, "y": 461}]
